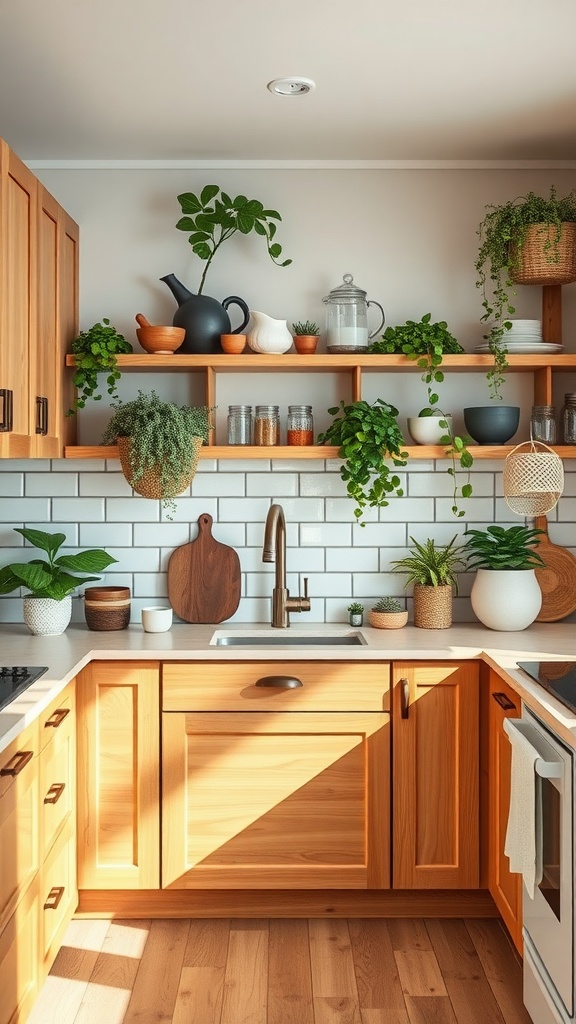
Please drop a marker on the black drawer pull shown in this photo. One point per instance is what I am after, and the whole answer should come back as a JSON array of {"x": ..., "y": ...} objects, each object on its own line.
[
  {"x": 41, "y": 416},
  {"x": 504, "y": 701},
  {"x": 17, "y": 763},
  {"x": 404, "y": 698},
  {"x": 280, "y": 682},
  {"x": 7, "y": 421},
  {"x": 54, "y": 896},
  {"x": 54, "y": 793},
  {"x": 56, "y": 718}
]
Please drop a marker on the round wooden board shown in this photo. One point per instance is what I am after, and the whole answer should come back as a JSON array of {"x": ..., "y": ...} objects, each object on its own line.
[{"x": 557, "y": 580}]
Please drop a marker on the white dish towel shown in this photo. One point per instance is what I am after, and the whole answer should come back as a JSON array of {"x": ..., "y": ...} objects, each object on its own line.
[{"x": 523, "y": 836}]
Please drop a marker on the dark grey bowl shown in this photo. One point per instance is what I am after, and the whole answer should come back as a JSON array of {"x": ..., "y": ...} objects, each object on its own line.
[{"x": 492, "y": 424}]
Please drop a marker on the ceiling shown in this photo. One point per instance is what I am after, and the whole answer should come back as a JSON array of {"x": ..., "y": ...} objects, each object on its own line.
[{"x": 172, "y": 80}]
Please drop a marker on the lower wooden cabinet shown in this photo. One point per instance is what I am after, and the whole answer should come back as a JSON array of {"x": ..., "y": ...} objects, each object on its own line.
[
  {"x": 118, "y": 775},
  {"x": 505, "y": 887},
  {"x": 435, "y": 775},
  {"x": 19, "y": 819},
  {"x": 20, "y": 975}
]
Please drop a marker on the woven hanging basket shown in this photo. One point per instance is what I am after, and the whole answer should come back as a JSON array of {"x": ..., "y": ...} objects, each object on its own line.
[
  {"x": 544, "y": 259},
  {"x": 149, "y": 485},
  {"x": 533, "y": 479},
  {"x": 432, "y": 606}
]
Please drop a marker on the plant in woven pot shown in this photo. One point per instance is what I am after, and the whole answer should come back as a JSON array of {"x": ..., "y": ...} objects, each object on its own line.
[
  {"x": 433, "y": 571},
  {"x": 367, "y": 435},
  {"x": 51, "y": 580},
  {"x": 159, "y": 445},
  {"x": 388, "y": 613},
  {"x": 527, "y": 240},
  {"x": 505, "y": 593}
]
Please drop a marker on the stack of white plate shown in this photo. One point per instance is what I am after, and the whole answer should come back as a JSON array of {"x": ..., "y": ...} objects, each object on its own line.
[{"x": 524, "y": 338}]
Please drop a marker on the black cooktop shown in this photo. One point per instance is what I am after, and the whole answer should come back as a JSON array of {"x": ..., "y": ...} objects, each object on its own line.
[
  {"x": 16, "y": 679},
  {"x": 558, "y": 677}
]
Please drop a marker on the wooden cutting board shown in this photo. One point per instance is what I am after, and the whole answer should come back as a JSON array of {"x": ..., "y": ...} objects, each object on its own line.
[
  {"x": 204, "y": 577},
  {"x": 557, "y": 580}
]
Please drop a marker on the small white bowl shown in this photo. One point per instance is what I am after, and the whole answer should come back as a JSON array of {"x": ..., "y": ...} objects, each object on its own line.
[
  {"x": 156, "y": 619},
  {"x": 427, "y": 429}
]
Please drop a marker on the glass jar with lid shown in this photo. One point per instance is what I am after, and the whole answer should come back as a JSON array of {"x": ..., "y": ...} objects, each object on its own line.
[
  {"x": 569, "y": 418},
  {"x": 239, "y": 424},
  {"x": 300, "y": 426},
  {"x": 347, "y": 318},
  {"x": 267, "y": 425},
  {"x": 543, "y": 424}
]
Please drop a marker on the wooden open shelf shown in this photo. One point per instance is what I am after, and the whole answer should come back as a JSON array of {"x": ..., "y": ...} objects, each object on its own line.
[{"x": 420, "y": 451}]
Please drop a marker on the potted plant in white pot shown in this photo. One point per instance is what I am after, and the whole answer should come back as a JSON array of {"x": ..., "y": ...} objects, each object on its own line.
[
  {"x": 50, "y": 580},
  {"x": 505, "y": 594},
  {"x": 355, "y": 613},
  {"x": 433, "y": 571}
]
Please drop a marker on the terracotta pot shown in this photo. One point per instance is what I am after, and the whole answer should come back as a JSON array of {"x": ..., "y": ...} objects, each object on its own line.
[
  {"x": 305, "y": 344},
  {"x": 233, "y": 344}
]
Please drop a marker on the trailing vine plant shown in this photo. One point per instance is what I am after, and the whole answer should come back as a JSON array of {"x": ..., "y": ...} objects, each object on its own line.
[
  {"x": 95, "y": 352},
  {"x": 366, "y": 436},
  {"x": 425, "y": 343}
]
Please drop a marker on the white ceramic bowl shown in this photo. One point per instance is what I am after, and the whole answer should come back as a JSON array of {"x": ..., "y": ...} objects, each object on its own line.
[
  {"x": 156, "y": 619},
  {"x": 427, "y": 429}
]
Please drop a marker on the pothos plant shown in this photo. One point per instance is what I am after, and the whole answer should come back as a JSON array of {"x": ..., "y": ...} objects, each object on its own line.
[
  {"x": 95, "y": 351},
  {"x": 213, "y": 217},
  {"x": 367, "y": 435},
  {"x": 426, "y": 343}
]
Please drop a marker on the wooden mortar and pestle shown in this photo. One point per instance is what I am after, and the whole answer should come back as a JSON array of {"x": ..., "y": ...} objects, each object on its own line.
[{"x": 158, "y": 341}]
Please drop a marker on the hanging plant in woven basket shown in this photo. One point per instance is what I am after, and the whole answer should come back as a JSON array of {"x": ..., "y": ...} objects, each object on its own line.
[
  {"x": 533, "y": 478},
  {"x": 547, "y": 255}
]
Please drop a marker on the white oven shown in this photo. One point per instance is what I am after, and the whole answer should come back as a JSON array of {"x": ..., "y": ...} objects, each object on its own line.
[{"x": 548, "y": 921}]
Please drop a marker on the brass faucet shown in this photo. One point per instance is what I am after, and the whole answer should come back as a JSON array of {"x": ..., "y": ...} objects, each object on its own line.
[{"x": 274, "y": 550}]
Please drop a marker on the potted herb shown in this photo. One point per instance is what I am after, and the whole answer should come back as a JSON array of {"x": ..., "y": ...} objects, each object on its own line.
[
  {"x": 50, "y": 580},
  {"x": 367, "y": 435},
  {"x": 95, "y": 351},
  {"x": 426, "y": 342},
  {"x": 433, "y": 571},
  {"x": 388, "y": 613},
  {"x": 306, "y": 336},
  {"x": 355, "y": 613},
  {"x": 528, "y": 240},
  {"x": 505, "y": 593},
  {"x": 159, "y": 445}
]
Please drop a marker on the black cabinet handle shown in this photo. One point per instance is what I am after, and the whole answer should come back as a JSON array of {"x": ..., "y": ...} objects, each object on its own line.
[
  {"x": 404, "y": 698},
  {"x": 280, "y": 682},
  {"x": 41, "y": 416},
  {"x": 504, "y": 701},
  {"x": 7, "y": 421}
]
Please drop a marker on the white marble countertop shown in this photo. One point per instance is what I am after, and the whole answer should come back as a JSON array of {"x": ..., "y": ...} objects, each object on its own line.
[{"x": 65, "y": 655}]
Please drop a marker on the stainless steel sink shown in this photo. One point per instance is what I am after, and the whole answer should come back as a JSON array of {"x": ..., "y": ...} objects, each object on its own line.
[{"x": 287, "y": 640}]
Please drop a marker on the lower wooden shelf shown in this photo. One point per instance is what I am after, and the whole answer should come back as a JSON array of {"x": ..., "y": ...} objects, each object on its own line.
[{"x": 423, "y": 451}]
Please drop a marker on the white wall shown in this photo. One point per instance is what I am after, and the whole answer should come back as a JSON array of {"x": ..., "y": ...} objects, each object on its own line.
[{"x": 409, "y": 239}]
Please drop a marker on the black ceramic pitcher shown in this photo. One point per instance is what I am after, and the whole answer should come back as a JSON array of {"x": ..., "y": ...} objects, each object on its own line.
[{"x": 203, "y": 318}]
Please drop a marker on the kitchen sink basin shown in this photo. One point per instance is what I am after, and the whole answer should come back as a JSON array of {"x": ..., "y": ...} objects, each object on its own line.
[{"x": 289, "y": 640}]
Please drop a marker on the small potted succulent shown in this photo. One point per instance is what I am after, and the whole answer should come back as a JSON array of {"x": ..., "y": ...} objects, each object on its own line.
[
  {"x": 95, "y": 351},
  {"x": 306, "y": 336},
  {"x": 50, "y": 580},
  {"x": 355, "y": 613},
  {"x": 388, "y": 613}
]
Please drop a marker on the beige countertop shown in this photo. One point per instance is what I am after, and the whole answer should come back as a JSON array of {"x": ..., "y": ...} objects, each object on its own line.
[{"x": 65, "y": 655}]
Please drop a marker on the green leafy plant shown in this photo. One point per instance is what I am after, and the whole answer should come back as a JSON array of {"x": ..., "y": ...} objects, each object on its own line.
[
  {"x": 307, "y": 328},
  {"x": 162, "y": 436},
  {"x": 213, "y": 217},
  {"x": 502, "y": 233},
  {"x": 355, "y": 608},
  {"x": 431, "y": 566},
  {"x": 500, "y": 548},
  {"x": 367, "y": 435},
  {"x": 388, "y": 604},
  {"x": 95, "y": 351},
  {"x": 426, "y": 343},
  {"x": 52, "y": 576}
]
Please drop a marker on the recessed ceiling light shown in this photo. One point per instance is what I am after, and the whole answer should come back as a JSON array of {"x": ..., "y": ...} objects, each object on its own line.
[{"x": 292, "y": 86}]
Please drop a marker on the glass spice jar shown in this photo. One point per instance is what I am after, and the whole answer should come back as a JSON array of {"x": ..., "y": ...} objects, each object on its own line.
[
  {"x": 569, "y": 418},
  {"x": 543, "y": 424},
  {"x": 300, "y": 427},
  {"x": 239, "y": 424},
  {"x": 267, "y": 425}
]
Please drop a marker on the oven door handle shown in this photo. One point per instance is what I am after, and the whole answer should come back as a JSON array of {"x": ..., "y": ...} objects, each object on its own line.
[{"x": 545, "y": 769}]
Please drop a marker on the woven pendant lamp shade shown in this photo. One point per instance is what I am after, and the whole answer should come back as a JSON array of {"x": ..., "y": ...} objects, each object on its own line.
[{"x": 533, "y": 478}]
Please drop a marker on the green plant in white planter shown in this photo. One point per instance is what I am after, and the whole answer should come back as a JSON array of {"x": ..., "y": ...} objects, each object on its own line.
[
  {"x": 505, "y": 594},
  {"x": 50, "y": 580},
  {"x": 355, "y": 613}
]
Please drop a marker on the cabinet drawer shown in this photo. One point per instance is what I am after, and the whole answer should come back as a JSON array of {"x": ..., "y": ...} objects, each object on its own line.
[
  {"x": 58, "y": 896},
  {"x": 19, "y": 843},
  {"x": 57, "y": 783},
  {"x": 53, "y": 719},
  {"x": 326, "y": 686},
  {"x": 19, "y": 960}
]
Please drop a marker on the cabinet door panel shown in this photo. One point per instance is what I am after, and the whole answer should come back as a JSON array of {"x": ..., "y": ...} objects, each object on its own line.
[
  {"x": 275, "y": 801},
  {"x": 436, "y": 775},
  {"x": 19, "y": 960},
  {"x": 19, "y": 840}
]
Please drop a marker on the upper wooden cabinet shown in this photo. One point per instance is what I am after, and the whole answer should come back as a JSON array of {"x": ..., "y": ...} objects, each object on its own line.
[
  {"x": 38, "y": 313},
  {"x": 435, "y": 775}
]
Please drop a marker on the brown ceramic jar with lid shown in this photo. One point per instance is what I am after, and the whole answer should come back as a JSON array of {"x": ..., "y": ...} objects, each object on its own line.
[{"x": 107, "y": 608}]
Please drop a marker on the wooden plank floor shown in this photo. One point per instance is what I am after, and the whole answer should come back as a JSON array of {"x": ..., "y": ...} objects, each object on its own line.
[{"x": 316, "y": 971}]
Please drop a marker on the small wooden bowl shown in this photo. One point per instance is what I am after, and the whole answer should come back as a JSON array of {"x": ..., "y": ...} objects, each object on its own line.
[
  {"x": 233, "y": 344},
  {"x": 305, "y": 344},
  {"x": 160, "y": 341}
]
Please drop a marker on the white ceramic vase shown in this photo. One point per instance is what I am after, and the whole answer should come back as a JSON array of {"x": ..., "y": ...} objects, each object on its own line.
[
  {"x": 427, "y": 429},
  {"x": 506, "y": 599},
  {"x": 266, "y": 335},
  {"x": 46, "y": 617}
]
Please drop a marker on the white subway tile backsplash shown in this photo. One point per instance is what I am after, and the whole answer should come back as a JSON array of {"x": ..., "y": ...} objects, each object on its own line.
[
  {"x": 251, "y": 561},
  {"x": 335, "y": 534},
  {"x": 322, "y": 485},
  {"x": 566, "y": 509},
  {"x": 481, "y": 509},
  {"x": 407, "y": 510},
  {"x": 148, "y": 535},
  {"x": 11, "y": 485},
  {"x": 246, "y": 466},
  {"x": 233, "y": 534},
  {"x": 150, "y": 584},
  {"x": 136, "y": 559},
  {"x": 280, "y": 484},
  {"x": 53, "y": 485},
  {"x": 255, "y": 534},
  {"x": 213, "y": 485},
  {"x": 303, "y": 510},
  {"x": 207, "y": 466},
  {"x": 442, "y": 485},
  {"x": 247, "y": 510},
  {"x": 352, "y": 559},
  {"x": 188, "y": 510},
  {"x": 78, "y": 465},
  {"x": 78, "y": 510},
  {"x": 260, "y": 584},
  {"x": 340, "y": 510},
  {"x": 11, "y": 611},
  {"x": 110, "y": 484},
  {"x": 70, "y": 530},
  {"x": 292, "y": 465},
  {"x": 368, "y": 586},
  {"x": 24, "y": 466},
  {"x": 376, "y": 534},
  {"x": 306, "y": 560},
  {"x": 101, "y": 535},
  {"x": 330, "y": 583},
  {"x": 21, "y": 510}
]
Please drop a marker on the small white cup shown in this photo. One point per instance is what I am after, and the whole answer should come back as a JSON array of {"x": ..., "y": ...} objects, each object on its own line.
[{"x": 156, "y": 619}]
